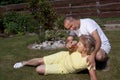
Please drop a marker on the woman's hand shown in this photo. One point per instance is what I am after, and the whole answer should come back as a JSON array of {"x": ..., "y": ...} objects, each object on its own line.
[{"x": 91, "y": 60}]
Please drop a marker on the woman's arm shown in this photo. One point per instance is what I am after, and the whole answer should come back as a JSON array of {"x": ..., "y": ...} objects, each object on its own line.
[{"x": 92, "y": 74}]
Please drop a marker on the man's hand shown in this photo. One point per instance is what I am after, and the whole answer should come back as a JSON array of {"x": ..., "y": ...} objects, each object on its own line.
[
  {"x": 72, "y": 46},
  {"x": 69, "y": 44}
]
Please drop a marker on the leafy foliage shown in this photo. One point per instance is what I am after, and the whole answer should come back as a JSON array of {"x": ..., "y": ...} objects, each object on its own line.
[
  {"x": 55, "y": 35},
  {"x": 43, "y": 12},
  {"x": 16, "y": 23},
  {"x": 59, "y": 22}
]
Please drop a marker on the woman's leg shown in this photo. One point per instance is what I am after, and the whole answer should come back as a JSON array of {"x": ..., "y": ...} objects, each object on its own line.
[
  {"x": 32, "y": 62},
  {"x": 40, "y": 69}
]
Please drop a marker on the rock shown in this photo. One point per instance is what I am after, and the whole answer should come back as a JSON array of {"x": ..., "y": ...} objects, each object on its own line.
[{"x": 49, "y": 45}]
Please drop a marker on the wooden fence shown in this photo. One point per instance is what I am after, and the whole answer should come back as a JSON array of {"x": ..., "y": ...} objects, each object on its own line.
[{"x": 76, "y": 8}]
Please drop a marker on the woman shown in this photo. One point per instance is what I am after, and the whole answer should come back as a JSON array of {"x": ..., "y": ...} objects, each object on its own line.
[{"x": 65, "y": 62}]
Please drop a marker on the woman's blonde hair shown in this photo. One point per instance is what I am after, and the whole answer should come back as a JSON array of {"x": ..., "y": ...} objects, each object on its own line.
[{"x": 88, "y": 42}]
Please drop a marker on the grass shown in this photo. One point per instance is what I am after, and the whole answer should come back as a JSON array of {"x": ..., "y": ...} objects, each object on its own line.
[{"x": 15, "y": 49}]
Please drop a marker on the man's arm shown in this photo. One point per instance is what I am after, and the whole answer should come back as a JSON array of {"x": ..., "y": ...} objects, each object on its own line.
[
  {"x": 96, "y": 36},
  {"x": 92, "y": 74}
]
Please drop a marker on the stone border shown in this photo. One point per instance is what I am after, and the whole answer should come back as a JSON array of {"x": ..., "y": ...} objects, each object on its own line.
[{"x": 47, "y": 45}]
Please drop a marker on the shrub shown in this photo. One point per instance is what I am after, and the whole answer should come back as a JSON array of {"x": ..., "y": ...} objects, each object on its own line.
[
  {"x": 50, "y": 35},
  {"x": 59, "y": 22},
  {"x": 9, "y": 22},
  {"x": 26, "y": 23},
  {"x": 55, "y": 35},
  {"x": 43, "y": 12},
  {"x": 16, "y": 23}
]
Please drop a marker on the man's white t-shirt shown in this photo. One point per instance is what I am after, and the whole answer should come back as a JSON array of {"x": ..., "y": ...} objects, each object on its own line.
[{"x": 87, "y": 26}]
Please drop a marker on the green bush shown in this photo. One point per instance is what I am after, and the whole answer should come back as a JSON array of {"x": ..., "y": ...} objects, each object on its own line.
[
  {"x": 55, "y": 35},
  {"x": 26, "y": 23},
  {"x": 9, "y": 22},
  {"x": 43, "y": 12},
  {"x": 16, "y": 23},
  {"x": 59, "y": 22},
  {"x": 45, "y": 15},
  {"x": 50, "y": 35}
]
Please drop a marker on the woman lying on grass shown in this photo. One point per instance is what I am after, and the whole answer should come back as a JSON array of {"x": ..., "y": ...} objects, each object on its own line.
[{"x": 64, "y": 62}]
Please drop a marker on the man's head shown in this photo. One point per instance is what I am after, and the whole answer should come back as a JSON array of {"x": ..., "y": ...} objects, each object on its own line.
[{"x": 71, "y": 23}]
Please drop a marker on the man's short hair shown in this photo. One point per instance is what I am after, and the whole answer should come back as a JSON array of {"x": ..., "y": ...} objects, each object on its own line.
[{"x": 69, "y": 19}]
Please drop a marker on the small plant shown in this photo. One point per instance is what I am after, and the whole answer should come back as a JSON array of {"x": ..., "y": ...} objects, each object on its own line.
[
  {"x": 50, "y": 35},
  {"x": 59, "y": 22},
  {"x": 53, "y": 35}
]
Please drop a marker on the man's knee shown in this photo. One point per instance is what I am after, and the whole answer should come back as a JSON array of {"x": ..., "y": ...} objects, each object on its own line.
[{"x": 101, "y": 55}]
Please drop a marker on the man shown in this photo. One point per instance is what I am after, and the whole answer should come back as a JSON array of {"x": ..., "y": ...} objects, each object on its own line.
[{"x": 89, "y": 27}]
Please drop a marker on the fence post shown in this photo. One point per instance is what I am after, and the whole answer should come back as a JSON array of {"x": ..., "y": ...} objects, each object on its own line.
[
  {"x": 70, "y": 5},
  {"x": 97, "y": 8},
  {"x": 100, "y": 22}
]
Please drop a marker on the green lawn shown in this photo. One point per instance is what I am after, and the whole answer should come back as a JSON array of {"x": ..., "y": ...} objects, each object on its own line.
[{"x": 15, "y": 49}]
